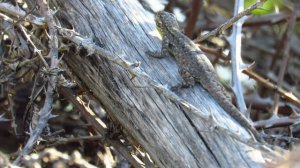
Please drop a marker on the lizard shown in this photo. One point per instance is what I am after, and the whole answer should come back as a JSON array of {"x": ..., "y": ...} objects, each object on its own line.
[{"x": 194, "y": 66}]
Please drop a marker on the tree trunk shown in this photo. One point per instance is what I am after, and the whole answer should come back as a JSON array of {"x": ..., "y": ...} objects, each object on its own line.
[{"x": 172, "y": 136}]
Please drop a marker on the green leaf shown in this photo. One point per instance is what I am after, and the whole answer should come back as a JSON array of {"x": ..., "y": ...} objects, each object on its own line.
[{"x": 269, "y": 7}]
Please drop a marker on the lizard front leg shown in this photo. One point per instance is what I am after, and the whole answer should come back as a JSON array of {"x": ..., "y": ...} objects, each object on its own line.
[{"x": 164, "y": 50}]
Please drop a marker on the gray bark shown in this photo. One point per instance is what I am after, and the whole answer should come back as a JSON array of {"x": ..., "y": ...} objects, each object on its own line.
[{"x": 173, "y": 137}]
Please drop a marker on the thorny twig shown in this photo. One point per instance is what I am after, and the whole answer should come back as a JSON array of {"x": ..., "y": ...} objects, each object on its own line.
[
  {"x": 61, "y": 141},
  {"x": 26, "y": 149},
  {"x": 92, "y": 48},
  {"x": 45, "y": 112},
  {"x": 235, "y": 42},
  {"x": 28, "y": 37},
  {"x": 215, "y": 52},
  {"x": 277, "y": 122},
  {"x": 18, "y": 12},
  {"x": 289, "y": 96},
  {"x": 286, "y": 57},
  {"x": 229, "y": 23},
  {"x": 17, "y": 40},
  {"x": 28, "y": 14},
  {"x": 32, "y": 43},
  {"x": 99, "y": 126},
  {"x": 137, "y": 72},
  {"x": 215, "y": 126},
  {"x": 269, "y": 19},
  {"x": 192, "y": 19}
]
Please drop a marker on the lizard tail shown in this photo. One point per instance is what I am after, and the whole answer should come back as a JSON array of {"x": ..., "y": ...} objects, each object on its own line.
[{"x": 226, "y": 104}]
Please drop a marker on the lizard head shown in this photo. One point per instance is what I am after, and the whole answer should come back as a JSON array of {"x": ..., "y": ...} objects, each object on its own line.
[{"x": 165, "y": 21}]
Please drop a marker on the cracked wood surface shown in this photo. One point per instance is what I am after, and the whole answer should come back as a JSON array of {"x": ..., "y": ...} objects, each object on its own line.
[{"x": 173, "y": 137}]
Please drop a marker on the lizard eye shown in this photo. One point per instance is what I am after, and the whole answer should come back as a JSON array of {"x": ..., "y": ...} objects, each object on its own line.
[
  {"x": 158, "y": 24},
  {"x": 170, "y": 45}
]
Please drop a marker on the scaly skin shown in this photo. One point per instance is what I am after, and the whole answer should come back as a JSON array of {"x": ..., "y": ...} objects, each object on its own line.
[{"x": 194, "y": 66}]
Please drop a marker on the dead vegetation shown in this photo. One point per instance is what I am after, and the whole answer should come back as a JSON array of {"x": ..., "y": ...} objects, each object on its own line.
[{"x": 46, "y": 106}]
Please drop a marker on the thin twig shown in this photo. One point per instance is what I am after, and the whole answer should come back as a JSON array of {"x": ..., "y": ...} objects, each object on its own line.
[
  {"x": 229, "y": 23},
  {"x": 287, "y": 95},
  {"x": 192, "y": 19},
  {"x": 286, "y": 57},
  {"x": 39, "y": 53},
  {"x": 214, "y": 126},
  {"x": 277, "y": 122},
  {"x": 235, "y": 41},
  {"x": 28, "y": 37},
  {"x": 269, "y": 19},
  {"x": 18, "y": 12},
  {"x": 27, "y": 14},
  {"x": 62, "y": 141},
  {"x": 215, "y": 52},
  {"x": 92, "y": 48},
  {"x": 99, "y": 126},
  {"x": 45, "y": 112}
]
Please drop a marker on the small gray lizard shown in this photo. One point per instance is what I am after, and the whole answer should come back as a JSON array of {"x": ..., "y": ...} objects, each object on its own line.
[{"x": 194, "y": 66}]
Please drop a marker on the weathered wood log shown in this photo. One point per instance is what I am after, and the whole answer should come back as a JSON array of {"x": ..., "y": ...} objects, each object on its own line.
[{"x": 173, "y": 137}]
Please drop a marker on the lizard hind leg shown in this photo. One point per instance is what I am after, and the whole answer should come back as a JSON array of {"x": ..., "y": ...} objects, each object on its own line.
[{"x": 188, "y": 80}]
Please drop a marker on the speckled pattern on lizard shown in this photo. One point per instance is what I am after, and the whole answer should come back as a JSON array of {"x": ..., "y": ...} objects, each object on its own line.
[{"x": 194, "y": 66}]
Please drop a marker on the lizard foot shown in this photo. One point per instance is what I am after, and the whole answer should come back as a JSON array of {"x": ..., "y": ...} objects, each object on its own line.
[
  {"x": 155, "y": 54},
  {"x": 180, "y": 85}
]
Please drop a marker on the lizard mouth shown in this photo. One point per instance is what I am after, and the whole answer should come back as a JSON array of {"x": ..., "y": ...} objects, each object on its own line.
[{"x": 158, "y": 25}]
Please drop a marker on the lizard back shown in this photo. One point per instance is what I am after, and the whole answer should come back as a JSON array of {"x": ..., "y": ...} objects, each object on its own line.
[{"x": 193, "y": 63}]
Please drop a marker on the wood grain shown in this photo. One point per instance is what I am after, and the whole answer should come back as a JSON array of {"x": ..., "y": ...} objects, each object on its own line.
[{"x": 173, "y": 137}]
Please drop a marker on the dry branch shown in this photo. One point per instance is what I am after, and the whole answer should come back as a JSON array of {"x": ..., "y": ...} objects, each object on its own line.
[
  {"x": 45, "y": 112},
  {"x": 226, "y": 25},
  {"x": 174, "y": 129},
  {"x": 172, "y": 135}
]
